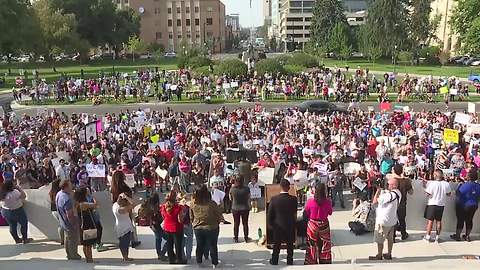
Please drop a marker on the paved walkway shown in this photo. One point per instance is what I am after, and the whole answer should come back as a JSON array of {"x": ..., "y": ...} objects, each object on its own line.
[{"x": 413, "y": 254}]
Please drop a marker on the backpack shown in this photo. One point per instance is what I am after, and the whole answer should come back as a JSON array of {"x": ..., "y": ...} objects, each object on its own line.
[{"x": 357, "y": 227}]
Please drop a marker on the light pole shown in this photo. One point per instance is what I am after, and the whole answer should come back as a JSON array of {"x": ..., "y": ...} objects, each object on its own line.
[{"x": 394, "y": 58}]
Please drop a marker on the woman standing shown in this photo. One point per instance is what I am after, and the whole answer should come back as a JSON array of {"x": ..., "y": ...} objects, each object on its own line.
[
  {"x": 319, "y": 242},
  {"x": 55, "y": 188},
  {"x": 11, "y": 198},
  {"x": 87, "y": 222},
  {"x": 468, "y": 195},
  {"x": 123, "y": 224},
  {"x": 173, "y": 218},
  {"x": 206, "y": 216},
  {"x": 240, "y": 197},
  {"x": 118, "y": 186}
]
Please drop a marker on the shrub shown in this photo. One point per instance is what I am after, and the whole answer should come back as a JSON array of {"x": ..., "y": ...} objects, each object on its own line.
[
  {"x": 202, "y": 71},
  {"x": 293, "y": 69},
  {"x": 303, "y": 59},
  {"x": 231, "y": 67},
  {"x": 271, "y": 66},
  {"x": 283, "y": 59},
  {"x": 199, "y": 61}
]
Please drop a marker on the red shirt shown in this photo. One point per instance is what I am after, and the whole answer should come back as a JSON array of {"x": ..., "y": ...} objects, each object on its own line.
[{"x": 170, "y": 219}]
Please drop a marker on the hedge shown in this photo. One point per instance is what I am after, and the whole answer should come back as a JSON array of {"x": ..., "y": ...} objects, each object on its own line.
[
  {"x": 270, "y": 65},
  {"x": 303, "y": 59},
  {"x": 231, "y": 67}
]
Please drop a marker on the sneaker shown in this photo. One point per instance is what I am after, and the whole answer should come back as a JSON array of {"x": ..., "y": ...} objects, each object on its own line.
[
  {"x": 426, "y": 238},
  {"x": 28, "y": 240},
  {"x": 437, "y": 239},
  {"x": 375, "y": 258},
  {"x": 100, "y": 248},
  {"x": 136, "y": 244},
  {"x": 455, "y": 237},
  {"x": 405, "y": 236}
]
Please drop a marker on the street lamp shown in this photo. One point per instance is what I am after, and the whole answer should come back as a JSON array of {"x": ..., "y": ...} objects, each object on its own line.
[{"x": 394, "y": 58}]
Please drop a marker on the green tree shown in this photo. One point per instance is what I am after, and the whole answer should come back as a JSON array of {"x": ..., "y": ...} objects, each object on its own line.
[
  {"x": 136, "y": 45},
  {"x": 339, "y": 42},
  {"x": 463, "y": 17},
  {"x": 326, "y": 15},
  {"x": 126, "y": 24},
  {"x": 387, "y": 23},
  {"x": 471, "y": 39}
]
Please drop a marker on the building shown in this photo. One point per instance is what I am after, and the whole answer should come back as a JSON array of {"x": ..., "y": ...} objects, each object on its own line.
[
  {"x": 175, "y": 24},
  {"x": 445, "y": 37},
  {"x": 232, "y": 30},
  {"x": 267, "y": 12}
]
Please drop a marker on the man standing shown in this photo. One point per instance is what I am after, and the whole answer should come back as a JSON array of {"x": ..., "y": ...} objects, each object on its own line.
[
  {"x": 68, "y": 219},
  {"x": 405, "y": 187},
  {"x": 386, "y": 218},
  {"x": 437, "y": 192},
  {"x": 337, "y": 181},
  {"x": 62, "y": 171},
  {"x": 282, "y": 217}
]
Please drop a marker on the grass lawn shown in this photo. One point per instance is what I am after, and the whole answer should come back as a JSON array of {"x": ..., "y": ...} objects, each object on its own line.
[{"x": 90, "y": 70}]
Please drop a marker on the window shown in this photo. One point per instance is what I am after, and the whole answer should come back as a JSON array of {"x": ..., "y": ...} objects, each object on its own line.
[
  {"x": 197, "y": 9},
  {"x": 307, "y": 19},
  {"x": 187, "y": 22},
  {"x": 197, "y": 21},
  {"x": 118, "y": 1},
  {"x": 179, "y": 36},
  {"x": 209, "y": 9},
  {"x": 157, "y": 11},
  {"x": 126, "y": 2},
  {"x": 178, "y": 9},
  {"x": 170, "y": 35},
  {"x": 209, "y": 21},
  {"x": 209, "y": 34},
  {"x": 197, "y": 36},
  {"x": 187, "y": 9},
  {"x": 295, "y": 4},
  {"x": 295, "y": 27},
  {"x": 179, "y": 22},
  {"x": 294, "y": 19},
  {"x": 170, "y": 23},
  {"x": 169, "y": 10},
  {"x": 189, "y": 36},
  {"x": 158, "y": 35}
]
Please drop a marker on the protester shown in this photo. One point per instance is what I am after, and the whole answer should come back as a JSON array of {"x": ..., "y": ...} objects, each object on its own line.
[
  {"x": 11, "y": 198},
  {"x": 468, "y": 195},
  {"x": 337, "y": 181},
  {"x": 437, "y": 192},
  {"x": 282, "y": 217},
  {"x": 405, "y": 187},
  {"x": 55, "y": 188},
  {"x": 87, "y": 223},
  {"x": 68, "y": 219},
  {"x": 386, "y": 218},
  {"x": 123, "y": 224},
  {"x": 240, "y": 196},
  {"x": 206, "y": 216},
  {"x": 173, "y": 218},
  {"x": 317, "y": 210}
]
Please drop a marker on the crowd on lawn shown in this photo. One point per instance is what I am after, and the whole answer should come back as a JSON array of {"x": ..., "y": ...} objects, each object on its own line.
[
  {"x": 376, "y": 155},
  {"x": 325, "y": 83}
]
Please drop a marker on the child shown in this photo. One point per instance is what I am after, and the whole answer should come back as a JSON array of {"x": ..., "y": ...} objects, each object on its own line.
[
  {"x": 148, "y": 178},
  {"x": 255, "y": 193}
]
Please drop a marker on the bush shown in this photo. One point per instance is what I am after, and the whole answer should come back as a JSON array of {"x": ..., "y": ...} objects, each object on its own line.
[
  {"x": 303, "y": 59},
  {"x": 293, "y": 69},
  {"x": 231, "y": 67},
  {"x": 271, "y": 66},
  {"x": 202, "y": 71},
  {"x": 199, "y": 61},
  {"x": 283, "y": 59},
  {"x": 431, "y": 54}
]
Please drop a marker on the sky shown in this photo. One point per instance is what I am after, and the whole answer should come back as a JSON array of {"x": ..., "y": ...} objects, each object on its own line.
[{"x": 248, "y": 16}]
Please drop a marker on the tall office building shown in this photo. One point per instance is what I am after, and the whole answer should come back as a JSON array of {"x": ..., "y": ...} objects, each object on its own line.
[
  {"x": 176, "y": 22},
  {"x": 446, "y": 38}
]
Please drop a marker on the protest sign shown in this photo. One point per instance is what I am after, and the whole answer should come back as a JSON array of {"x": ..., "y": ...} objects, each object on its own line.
[
  {"x": 99, "y": 126},
  {"x": 55, "y": 162},
  {"x": 226, "y": 86},
  {"x": 91, "y": 132},
  {"x": 161, "y": 126},
  {"x": 385, "y": 106},
  {"x": 146, "y": 131},
  {"x": 471, "y": 107},
  {"x": 162, "y": 173},
  {"x": 370, "y": 109},
  {"x": 300, "y": 179},
  {"x": 453, "y": 91},
  {"x": 63, "y": 155},
  {"x": 462, "y": 118},
  {"x": 450, "y": 135},
  {"x": 444, "y": 90},
  {"x": 351, "y": 168},
  {"x": 225, "y": 123},
  {"x": 437, "y": 139},
  {"x": 322, "y": 168},
  {"x": 255, "y": 193},
  {"x": 130, "y": 180},
  {"x": 95, "y": 170},
  {"x": 311, "y": 137},
  {"x": 359, "y": 184},
  {"x": 473, "y": 128},
  {"x": 234, "y": 84},
  {"x": 155, "y": 138},
  {"x": 265, "y": 176}
]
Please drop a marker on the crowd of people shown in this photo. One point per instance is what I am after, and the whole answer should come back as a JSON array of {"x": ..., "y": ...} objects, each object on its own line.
[
  {"x": 340, "y": 85},
  {"x": 376, "y": 155}
]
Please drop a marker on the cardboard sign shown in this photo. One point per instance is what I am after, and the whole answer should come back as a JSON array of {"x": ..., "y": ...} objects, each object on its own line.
[
  {"x": 130, "y": 180},
  {"x": 226, "y": 86},
  {"x": 351, "y": 168},
  {"x": 385, "y": 106},
  {"x": 91, "y": 132},
  {"x": 471, "y": 107},
  {"x": 265, "y": 176},
  {"x": 99, "y": 126},
  {"x": 444, "y": 90},
  {"x": 473, "y": 128},
  {"x": 155, "y": 138},
  {"x": 95, "y": 170},
  {"x": 162, "y": 173},
  {"x": 450, "y": 135},
  {"x": 234, "y": 84},
  {"x": 359, "y": 184},
  {"x": 462, "y": 118}
]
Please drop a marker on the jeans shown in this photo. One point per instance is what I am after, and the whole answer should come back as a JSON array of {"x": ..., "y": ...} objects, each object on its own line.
[
  {"x": 236, "y": 222},
  {"x": 175, "y": 239},
  {"x": 15, "y": 217},
  {"x": 339, "y": 193},
  {"x": 465, "y": 216},
  {"x": 124, "y": 243},
  {"x": 158, "y": 241},
  {"x": 207, "y": 241},
  {"x": 188, "y": 241},
  {"x": 71, "y": 242},
  {"x": 402, "y": 224},
  {"x": 61, "y": 232}
]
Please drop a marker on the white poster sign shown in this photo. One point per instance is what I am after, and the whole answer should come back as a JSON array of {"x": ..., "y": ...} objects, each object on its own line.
[
  {"x": 351, "y": 168},
  {"x": 300, "y": 179},
  {"x": 91, "y": 132},
  {"x": 234, "y": 84},
  {"x": 462, "y": 118},
  {"x": 226, "y": 86},
  {"x": 359, "y": 184},
  {"x": 162, "y": 173},
  {"x": 265, "y": 176},
  {"x": 130, "y": 180},
  {"x": 473, "y": 128},
  {"x": 471, "y": 107},
  {"x": 95, "y": 170}
]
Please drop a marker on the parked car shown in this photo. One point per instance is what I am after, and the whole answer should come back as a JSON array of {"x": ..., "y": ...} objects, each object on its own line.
[
  {"x": 453, "y": 60},
  {"x": 469, "y": 60},
  {"x": 475, "y": 63},
  {"x": 320, "y": 106},
  {"x": 461, "y": 59},
  {"x": 24, "y": 58},
  {"x": 475, "y": 78},
  {"x": 95, "y": 57},
  {"x": 41, "y": 59},
  {"x": 170, "y": 55},
  {"x": 146, "y": 56}
]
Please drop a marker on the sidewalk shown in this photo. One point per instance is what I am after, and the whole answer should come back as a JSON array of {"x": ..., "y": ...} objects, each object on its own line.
[{"x": 413, "y": 254}]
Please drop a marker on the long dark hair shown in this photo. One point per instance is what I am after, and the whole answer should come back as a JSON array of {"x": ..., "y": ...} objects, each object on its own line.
[
  {"x": 5, "y": 188},
  {"x": 170, "y": 200},
  {"x": 118, "y": 184},
  {"x": 202, "y": 195},
  {"x": 54, "y": 189},
  {"x": 320, "y": 193},
  {"x": 80, "y": 195}
]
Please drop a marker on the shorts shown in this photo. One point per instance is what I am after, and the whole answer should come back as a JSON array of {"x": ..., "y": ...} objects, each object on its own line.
[
  {"x": 433, "y": 212},
  {"x": 383, "y": 233}
]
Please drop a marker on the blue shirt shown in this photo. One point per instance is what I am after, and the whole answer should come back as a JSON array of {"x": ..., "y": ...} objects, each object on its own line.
[
  {"x": 64, "y": 204},
  {"x": 386, "y": 166},
  {"x": 468, "y": 194}
]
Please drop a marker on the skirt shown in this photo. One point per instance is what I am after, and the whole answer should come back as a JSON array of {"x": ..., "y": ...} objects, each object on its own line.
[{"x": 319, "y": 245}]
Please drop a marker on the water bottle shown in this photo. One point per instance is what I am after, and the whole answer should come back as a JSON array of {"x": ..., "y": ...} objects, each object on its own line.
[{"x": 260, "y": 233}]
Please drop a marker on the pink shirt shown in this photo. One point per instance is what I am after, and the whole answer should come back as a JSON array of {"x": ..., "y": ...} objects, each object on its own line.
[{"x": 320, "y": 211}]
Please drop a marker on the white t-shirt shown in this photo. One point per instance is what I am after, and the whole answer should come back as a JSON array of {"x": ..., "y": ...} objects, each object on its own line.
[
  {"x": 123, "y": 223},
  {"x": 12, "y": 200},
  {"x": 438, "y": 192},
  {"x": 386, "y": 213}
]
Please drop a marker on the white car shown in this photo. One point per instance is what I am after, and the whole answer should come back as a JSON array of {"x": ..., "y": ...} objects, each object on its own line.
[
  {"x": 24, "y": 58},
  {"x": 475, "y": 63},
  {"x": 170, "y": 55}
]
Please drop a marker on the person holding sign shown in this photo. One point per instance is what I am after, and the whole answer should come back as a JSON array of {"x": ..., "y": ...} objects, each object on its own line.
[{"x": 255, "y": 193}]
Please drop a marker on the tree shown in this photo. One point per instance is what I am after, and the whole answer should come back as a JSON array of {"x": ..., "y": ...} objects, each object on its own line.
[
  {"x": 136, "y": 45},
  {"x": 463, "y": 17},
  {"x": 471, "y": 39},
  {"x": 339, "y": 40},
  {"x": 273, "y": 44},
  {"x": 405, "y": 57},
  {"x": 326, "y": 15},
  {"x": 387, "y": 23},
  {"x": 126, "y": 24}
]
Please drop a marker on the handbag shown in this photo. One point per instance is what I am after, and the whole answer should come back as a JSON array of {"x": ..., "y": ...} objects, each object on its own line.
[{"x": 88, "y": 234}]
